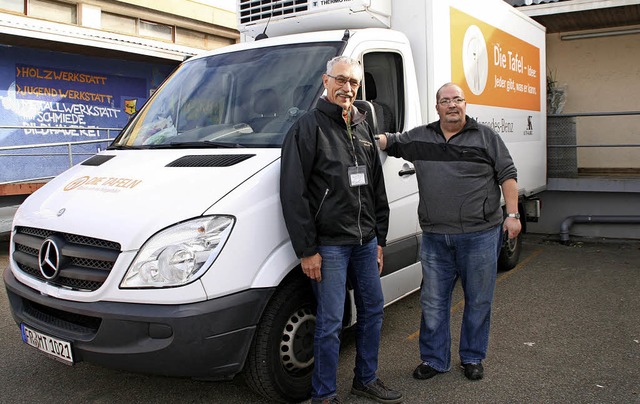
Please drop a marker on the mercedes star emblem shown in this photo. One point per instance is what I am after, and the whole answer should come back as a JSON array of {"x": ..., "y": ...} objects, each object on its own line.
[{"x": 49, "y": 259}]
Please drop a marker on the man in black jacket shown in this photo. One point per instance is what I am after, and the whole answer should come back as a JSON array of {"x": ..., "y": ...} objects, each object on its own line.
[{"x": 336, "y": 211}]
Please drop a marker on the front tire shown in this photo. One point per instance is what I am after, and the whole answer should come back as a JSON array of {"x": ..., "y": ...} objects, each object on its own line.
[{"x": 280, "y": 360}]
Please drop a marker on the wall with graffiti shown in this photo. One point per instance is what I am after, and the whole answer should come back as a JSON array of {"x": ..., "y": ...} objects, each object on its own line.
[{"x": 52, "y": 97}]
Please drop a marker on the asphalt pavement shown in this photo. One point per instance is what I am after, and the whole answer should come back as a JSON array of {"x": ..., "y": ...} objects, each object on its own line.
[{"x": 565, "y": 329}]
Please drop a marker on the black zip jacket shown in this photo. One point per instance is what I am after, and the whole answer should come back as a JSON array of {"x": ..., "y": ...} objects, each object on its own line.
[{"x": 319, "y": 205}]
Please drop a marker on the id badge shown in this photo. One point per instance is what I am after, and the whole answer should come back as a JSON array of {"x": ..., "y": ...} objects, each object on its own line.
[{"x": 358, "y": 176}]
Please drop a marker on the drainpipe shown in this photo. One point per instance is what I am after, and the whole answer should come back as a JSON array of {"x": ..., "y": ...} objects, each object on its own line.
[{"x": 566, "y": 224}]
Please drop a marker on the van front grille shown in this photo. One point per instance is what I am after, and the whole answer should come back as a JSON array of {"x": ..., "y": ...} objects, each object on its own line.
[
  {"x": 64, "y": 320},
  {"x": 83, "y": 264}
]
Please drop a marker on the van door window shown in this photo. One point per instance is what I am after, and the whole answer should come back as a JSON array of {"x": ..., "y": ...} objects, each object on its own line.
[{"x": 384, "y": 88}]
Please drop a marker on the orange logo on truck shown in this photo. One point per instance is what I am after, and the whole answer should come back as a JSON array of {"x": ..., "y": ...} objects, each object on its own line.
[
  {"x": 493, "y": 67},
  {"x": 104, "y": 184}
]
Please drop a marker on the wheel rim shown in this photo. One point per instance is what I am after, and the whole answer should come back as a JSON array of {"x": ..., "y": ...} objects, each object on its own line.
[
  {"x": 296, "y": 346},
  {"x": 511, "y": 245}
]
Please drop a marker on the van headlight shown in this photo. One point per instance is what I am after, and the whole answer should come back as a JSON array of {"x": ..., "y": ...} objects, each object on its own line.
[{"x": 180, "y": 254}]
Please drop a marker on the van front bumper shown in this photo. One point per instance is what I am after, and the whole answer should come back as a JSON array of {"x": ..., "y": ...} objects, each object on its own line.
[{"x": 205, "y": 340}]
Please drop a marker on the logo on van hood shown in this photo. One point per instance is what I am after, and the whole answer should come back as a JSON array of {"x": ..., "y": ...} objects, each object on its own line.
[{"x": 102, "y": 184}]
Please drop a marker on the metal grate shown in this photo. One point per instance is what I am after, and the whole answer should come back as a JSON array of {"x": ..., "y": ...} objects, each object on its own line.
[
  {"x": 96, "y": 160},
  {"x": 62, "y": 319},
  {"x": 261, "y": 10},
  {"x": 222, "y": 160},
  {"x": 562, "y": 162},
  {"x": 85, "y": 263}
]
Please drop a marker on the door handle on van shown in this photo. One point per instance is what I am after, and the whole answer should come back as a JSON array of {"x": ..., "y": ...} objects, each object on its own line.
[{"x": 408, "y": 171}]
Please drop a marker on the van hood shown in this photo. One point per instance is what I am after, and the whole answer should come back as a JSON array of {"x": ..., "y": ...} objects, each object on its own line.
[{"x": 115, "y": 196}]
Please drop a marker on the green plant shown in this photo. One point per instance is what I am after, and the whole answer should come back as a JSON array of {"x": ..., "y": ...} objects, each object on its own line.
[
  {"x": 556, "y": 94},
  {"x": 551, "y": 80}
]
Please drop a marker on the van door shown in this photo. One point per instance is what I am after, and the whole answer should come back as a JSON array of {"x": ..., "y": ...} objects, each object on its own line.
[{"x": 383, "y": 87}]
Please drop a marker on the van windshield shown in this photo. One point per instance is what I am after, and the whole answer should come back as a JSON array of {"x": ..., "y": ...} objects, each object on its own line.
[{"x": 248, "y": 98}]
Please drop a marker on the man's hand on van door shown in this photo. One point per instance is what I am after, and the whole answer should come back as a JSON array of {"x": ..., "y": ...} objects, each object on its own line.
[
  {"x": 382, "y": 141},
  {"x": 311, "y": 266}
]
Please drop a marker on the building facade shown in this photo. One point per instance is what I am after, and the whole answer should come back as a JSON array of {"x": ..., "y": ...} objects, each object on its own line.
[
  {"x": 75, "y": 71},
  {"x": 593, "y": 187}
]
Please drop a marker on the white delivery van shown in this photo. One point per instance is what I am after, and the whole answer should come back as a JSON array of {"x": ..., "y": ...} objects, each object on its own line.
[{"x": 167, "y": 252}]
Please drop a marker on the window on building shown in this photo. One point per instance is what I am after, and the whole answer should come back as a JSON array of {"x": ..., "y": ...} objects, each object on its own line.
[
  {"x": 214, "y": 42},
  {"x": 119, "y": 23},
  {"x": 16, "y": 6},
  {"x": 53, "y": 11},
  {"x": 155, "y": 30},
  {"x": 187, "y": 37},
  {"x": 201, "y": 40}
]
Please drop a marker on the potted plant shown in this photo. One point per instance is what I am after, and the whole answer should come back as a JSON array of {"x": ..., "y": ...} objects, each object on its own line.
[{"x": 556, "y": 95}]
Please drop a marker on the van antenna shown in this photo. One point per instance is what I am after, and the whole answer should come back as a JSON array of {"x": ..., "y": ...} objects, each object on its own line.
[
  {"x": 264, "y": 35},
  {"x": 346, "y": 35}
]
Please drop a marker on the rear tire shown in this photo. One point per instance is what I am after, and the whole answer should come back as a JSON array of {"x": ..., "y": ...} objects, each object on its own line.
[
  {"x": 510, "y": 253},
  {"x": 280, "y": 360}
]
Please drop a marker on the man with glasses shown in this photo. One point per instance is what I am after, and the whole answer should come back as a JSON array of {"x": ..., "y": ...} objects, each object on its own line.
[
  {"x": 336, "y": 212},
  {"x": 461, "y": 166}
]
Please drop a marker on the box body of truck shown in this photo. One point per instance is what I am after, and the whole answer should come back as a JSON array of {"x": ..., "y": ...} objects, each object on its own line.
[{"x": 170, "y": 247}]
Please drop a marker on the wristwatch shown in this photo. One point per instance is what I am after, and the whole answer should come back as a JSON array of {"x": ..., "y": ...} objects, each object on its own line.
[{"x": 514, "y": 215}]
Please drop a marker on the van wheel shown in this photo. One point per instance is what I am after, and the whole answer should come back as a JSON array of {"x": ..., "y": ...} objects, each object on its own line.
[
  {"x": 510, "y": 253},
  {"x": 280, "y": 360}
]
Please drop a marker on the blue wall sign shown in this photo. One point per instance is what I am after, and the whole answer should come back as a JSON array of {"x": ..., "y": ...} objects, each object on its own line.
[{"x": 59, "y": 97}]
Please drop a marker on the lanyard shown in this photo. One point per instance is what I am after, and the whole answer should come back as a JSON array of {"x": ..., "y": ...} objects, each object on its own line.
[{"x": 347, "y": 119}]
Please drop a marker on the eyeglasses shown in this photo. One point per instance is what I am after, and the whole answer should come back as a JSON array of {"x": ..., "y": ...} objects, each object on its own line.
[
  {"x": 446, "y": 101},
  {"x": 341, "y": 80}
]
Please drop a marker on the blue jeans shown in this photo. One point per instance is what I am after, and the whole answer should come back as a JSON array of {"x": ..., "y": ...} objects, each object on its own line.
[
  {"x": 359, "y": 264},
  {"x": 472, "y": 257}
]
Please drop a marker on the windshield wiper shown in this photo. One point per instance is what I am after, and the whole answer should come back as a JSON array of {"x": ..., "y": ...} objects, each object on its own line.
[{"x": 121, "y": 147}]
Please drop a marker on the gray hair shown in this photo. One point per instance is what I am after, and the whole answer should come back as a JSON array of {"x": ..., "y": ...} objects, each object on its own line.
[{"x": 354, "y": 63}]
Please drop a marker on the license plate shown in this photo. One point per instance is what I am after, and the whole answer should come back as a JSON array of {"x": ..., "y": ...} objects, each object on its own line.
[{"x": 54, "y": 347}]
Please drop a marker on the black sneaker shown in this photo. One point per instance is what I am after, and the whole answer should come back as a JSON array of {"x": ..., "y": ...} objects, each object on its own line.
[
  {"x": 330, "y": 400},
  {"x": 376, "y": 390},
  {"x": 424, "y": 371},
  {"x": 473, "y": 371}
]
